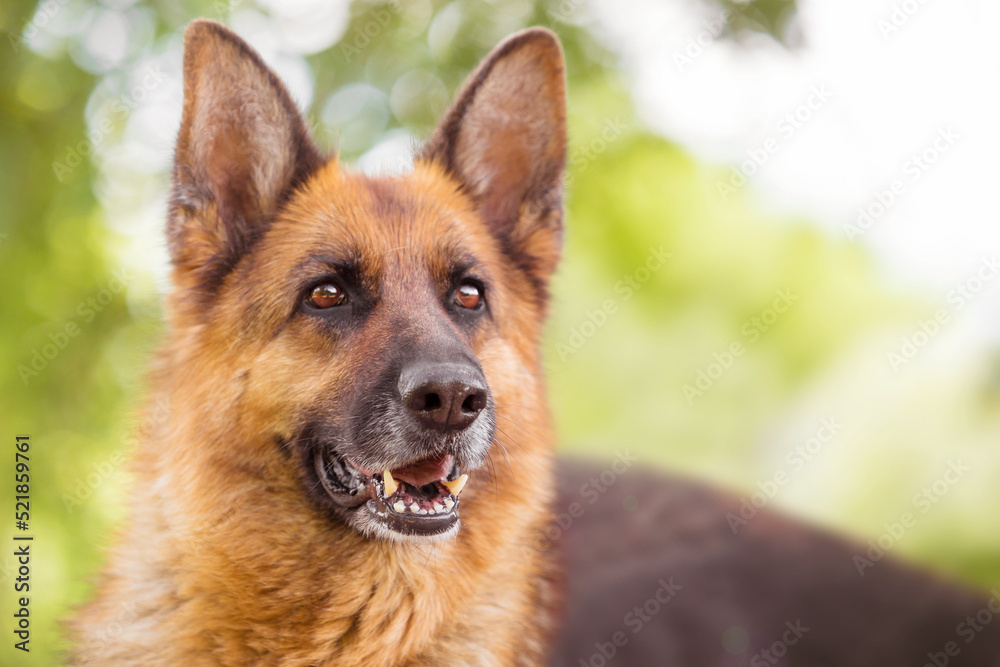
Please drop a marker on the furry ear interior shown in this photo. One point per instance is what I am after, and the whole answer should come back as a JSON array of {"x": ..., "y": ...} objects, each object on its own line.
[
  {"x": 504, "y": 139},
  {"x": 242, "y": 148}
]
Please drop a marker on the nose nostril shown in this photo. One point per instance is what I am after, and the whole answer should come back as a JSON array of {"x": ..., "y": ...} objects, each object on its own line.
[
  {"x": 472, "y": 404},
  {"x": 431, "y": 402}
]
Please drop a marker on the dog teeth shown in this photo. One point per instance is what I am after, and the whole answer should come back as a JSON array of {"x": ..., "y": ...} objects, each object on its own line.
[
  {"x": 389, "y": 482},
  {"x": 457, "y": 485},
  {"x": 404, "y": 504}
]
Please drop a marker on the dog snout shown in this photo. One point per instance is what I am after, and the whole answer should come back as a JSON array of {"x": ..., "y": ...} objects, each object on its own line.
[{"x": 443, "y": 396}]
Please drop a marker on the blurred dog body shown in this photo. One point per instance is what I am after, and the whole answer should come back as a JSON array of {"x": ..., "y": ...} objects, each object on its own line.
[
  {"x": 358, "y": 467},
  {"x": 666, "y": 571}
]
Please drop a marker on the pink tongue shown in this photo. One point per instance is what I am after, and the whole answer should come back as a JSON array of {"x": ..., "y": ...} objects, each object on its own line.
[{"x": 426, "y": 471}]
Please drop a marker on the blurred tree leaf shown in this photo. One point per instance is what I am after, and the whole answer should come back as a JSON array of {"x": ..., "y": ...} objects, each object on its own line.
[{"x": 771, "y": 17}]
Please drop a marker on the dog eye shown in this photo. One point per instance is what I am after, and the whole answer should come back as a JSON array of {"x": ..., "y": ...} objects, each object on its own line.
[
  {"x": 326, "y": 295},
  {"x": 468, "y": 296}
]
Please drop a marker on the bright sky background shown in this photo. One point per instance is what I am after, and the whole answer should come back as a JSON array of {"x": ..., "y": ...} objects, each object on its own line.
[{"x": 891, "y": 90}]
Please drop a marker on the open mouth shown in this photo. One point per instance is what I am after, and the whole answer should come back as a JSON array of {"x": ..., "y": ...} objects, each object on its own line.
[{"x": 418, "y": 499}]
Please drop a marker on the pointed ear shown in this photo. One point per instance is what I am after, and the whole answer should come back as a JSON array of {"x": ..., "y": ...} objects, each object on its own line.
[
  {"x": 242, "y": 148},
  {"x": 504, "y": 139}
]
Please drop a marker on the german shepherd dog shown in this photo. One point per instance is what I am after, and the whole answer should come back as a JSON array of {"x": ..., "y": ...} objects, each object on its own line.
[{"x": 357, "y": 467}]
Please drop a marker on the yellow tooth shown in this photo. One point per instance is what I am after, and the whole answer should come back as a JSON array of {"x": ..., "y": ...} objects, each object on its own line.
[
  {"x": 389, "y": 482},
  {"x": 456, "y": 486}
]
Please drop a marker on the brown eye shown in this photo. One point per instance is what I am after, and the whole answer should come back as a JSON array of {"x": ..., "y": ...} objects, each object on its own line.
[
  {"x": 468, "y": 296},
  {"x": 326, "y": 295}
]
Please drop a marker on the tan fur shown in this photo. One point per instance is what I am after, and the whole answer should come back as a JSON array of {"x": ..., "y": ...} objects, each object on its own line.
[{"x": 225, "y": 559}]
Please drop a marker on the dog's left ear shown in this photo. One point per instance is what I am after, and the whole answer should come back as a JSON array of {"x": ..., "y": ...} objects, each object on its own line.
[
  {"x": 242, "y": 147},
  {"x": 504, "y": 139}
]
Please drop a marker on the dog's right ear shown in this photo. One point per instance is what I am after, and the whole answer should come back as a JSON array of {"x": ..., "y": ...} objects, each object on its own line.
[{"x": 242, "y": 148}]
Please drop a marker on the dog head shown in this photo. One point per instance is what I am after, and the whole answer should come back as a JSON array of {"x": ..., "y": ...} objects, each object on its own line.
[{"x": 375, "y": 332}]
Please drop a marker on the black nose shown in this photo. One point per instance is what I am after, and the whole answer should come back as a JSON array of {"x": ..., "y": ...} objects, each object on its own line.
[{"x": 443, "y": 396}]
